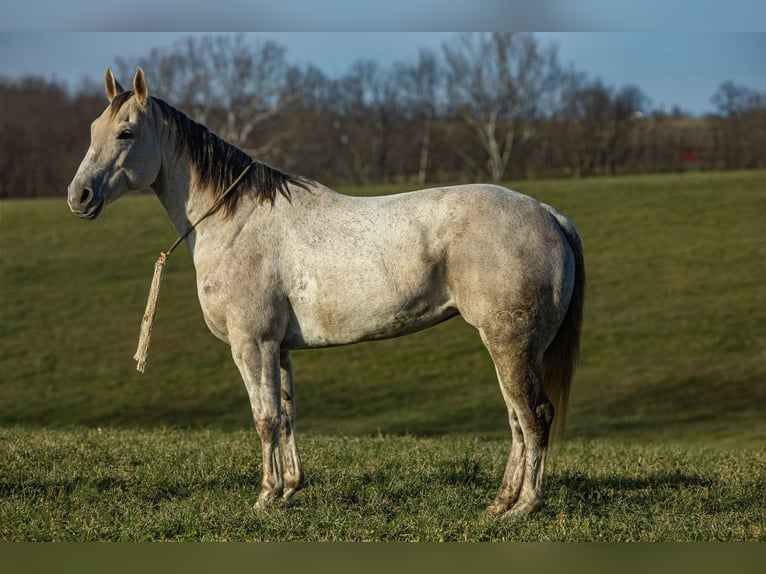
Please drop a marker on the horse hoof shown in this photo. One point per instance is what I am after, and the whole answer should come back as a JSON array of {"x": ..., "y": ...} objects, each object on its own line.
[
  {"x": 524, "y": 509},
  {"x": 264, "y": 501}
]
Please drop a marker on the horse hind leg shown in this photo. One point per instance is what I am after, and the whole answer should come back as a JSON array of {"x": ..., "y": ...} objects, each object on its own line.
[
  {"x": 530, "y": 415},
  {"x": 292, "y": 467},
  {"x": 514, "y": 469}
]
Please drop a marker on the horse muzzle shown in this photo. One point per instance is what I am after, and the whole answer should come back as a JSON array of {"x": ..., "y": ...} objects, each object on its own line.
[{"x": 84, "y": 203}]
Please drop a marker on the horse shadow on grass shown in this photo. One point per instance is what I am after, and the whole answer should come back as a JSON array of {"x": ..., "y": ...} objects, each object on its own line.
[{"x": 575, "y": 490}]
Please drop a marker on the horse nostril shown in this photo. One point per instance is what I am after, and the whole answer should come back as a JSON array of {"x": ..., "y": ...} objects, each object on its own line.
[{"x": 86, "y": 196}]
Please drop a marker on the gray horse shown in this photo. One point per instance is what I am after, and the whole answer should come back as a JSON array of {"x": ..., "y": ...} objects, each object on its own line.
[{"x": 287, "y": 263}]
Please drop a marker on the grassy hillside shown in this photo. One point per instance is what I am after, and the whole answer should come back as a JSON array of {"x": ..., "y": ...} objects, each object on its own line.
[{"x": 674, "y": 338}]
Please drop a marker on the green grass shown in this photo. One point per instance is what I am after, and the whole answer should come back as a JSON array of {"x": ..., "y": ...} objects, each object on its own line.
[
  {"x": 669, "y": 392},
  {"x": 124, "y": 485}
]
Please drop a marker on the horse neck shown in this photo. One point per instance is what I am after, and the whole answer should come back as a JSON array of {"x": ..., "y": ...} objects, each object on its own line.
[{"x": 178, "y": 188}]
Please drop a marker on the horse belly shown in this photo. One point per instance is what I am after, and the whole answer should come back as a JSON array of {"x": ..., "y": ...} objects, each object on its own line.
[{"x": 364, "y": 315}]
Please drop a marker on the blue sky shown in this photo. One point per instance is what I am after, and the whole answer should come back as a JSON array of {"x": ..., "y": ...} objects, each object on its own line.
[
  {"x": 389, "y": 15},
  {"x": 672, "y": 68}
]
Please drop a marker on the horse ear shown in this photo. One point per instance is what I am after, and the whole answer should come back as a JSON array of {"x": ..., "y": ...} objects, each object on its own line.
[
  {"x": 113, "y": 87},
  {"x": 140, "y": 88}
]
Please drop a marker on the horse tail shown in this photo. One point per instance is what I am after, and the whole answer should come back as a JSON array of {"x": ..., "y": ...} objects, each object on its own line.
[{"x": 561, "y": 356}]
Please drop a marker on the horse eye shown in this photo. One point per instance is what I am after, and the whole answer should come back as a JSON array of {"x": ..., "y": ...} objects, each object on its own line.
[{"x": 125, "y": 135}]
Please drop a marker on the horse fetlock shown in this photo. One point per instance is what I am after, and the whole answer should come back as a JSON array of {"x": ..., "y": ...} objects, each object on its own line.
[
  {"x": 545, "y": 412},
  {"x": 293, "y": 480},
  {"x": 290, "y": 491},
  {"x": 498, "y": 507}
]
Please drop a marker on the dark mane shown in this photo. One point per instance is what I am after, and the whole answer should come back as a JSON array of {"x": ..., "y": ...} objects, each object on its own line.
[{"x": 217, "y": 162}]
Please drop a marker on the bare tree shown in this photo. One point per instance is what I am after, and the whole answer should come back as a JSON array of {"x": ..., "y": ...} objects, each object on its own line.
[
  {"x": 598, "y": 124},
  {"x": 585, "y": 116},
  {"x": 733, "y": 100},
  {"x": 231, "y": 84},
  {"x": 740, "y": 128},
  {"x": 368, "y": 107},
  {"x": 43, "y": 134},
  {"x": 422, "y": 85},
  {"x": 498, "y": 83},
  {"x": 496, "y": 105}
]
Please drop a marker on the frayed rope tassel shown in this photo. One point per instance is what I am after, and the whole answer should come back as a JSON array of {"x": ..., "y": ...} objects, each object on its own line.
[{"x": 142, "y": 352}]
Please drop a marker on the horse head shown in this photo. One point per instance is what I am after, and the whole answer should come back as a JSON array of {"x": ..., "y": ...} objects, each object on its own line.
[{"x": 124, "y": 153}]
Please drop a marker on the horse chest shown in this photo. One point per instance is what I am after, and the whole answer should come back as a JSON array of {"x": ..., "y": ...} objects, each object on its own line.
[
  {"x": 237, "y": 298},
  {"x": 213, "y": 309}
]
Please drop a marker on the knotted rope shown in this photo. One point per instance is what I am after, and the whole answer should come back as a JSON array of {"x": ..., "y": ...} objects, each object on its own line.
[{"x": 142, "y": 352}]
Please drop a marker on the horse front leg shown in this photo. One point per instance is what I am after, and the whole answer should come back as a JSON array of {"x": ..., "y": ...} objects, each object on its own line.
[
  {"x": 258, "y": 363},
  {"x": 293, "y": 470}
]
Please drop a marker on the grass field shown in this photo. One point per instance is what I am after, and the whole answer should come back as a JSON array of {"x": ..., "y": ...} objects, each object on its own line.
[
  {"x": 129, "y": 485},
  {"x": 673, "y": 373}
]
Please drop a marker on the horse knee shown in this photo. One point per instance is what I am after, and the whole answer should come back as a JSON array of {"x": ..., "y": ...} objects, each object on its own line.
[{"x": 267, "y": 427}]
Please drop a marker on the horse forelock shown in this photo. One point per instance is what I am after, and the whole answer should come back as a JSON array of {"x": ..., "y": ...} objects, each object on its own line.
[
  {"x": 218, "y": 163},
  {"x": 118, "y": 101}
]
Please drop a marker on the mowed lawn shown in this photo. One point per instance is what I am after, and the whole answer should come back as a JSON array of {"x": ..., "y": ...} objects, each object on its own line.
[{"x": 672, "y": 378}]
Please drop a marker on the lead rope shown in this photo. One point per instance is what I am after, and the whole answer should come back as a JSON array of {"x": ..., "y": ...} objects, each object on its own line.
[{"x": 142, "y": 352}]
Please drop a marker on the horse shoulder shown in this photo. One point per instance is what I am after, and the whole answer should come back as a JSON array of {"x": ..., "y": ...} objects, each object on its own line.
[{"x": 235, "y": 283}]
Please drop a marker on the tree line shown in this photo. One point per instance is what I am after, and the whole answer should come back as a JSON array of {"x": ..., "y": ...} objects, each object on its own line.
[{"x": 488, "y": 107}]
